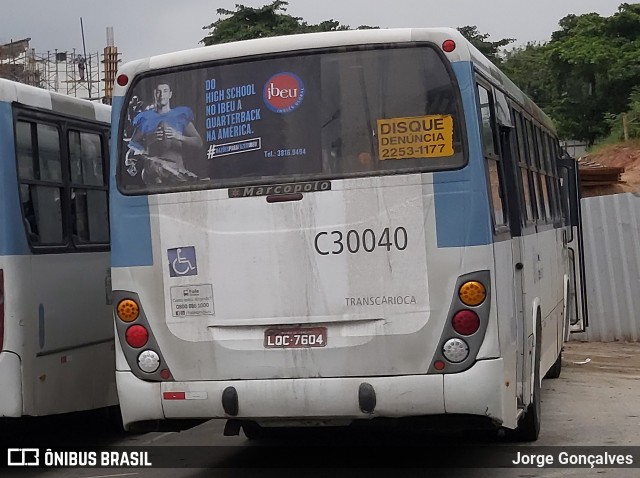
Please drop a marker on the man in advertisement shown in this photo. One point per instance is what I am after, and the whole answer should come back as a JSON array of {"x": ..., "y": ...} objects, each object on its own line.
[{"x": 160, "y": 138}]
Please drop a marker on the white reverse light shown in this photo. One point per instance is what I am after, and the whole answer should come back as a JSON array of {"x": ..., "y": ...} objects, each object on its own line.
[
  {"x": 148, "y": 361},
  {"x": 455, "y": 350}
]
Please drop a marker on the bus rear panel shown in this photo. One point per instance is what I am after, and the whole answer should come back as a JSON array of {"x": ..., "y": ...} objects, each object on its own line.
[{"x": 325, "y": 255}]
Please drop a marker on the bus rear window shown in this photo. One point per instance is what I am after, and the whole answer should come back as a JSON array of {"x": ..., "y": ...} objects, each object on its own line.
[{"x": 361, "y": 111}]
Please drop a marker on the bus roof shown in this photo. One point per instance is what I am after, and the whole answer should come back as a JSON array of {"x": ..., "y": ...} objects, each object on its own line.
[
  {"x": 464, "y": 51},
  {"x": 14, "y": 92}
]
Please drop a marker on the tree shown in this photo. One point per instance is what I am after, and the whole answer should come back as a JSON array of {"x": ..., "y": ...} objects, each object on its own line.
[
  {"x": 595, "y": 64},
  {"x": 626, "y": 125},
  {"x": 528, "y": 67},
  {"x": 246, "y": 23},
  {"x": 582, "y": 77},
  {"x": 490, "y": 49},
  {"x": 585, "y": 75}
]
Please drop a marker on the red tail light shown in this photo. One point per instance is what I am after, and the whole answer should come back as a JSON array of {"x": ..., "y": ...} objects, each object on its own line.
[
  {"x": 122, "y": 80},
  {"x": 136, "y": 336},
  {"x": 466, "y": 322},
  {"x": 1, "y": 309},
  {"x": 448, "y": 46}
]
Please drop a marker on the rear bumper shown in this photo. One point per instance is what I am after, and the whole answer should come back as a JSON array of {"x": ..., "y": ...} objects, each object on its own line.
[{"x": 477, "y": 391}]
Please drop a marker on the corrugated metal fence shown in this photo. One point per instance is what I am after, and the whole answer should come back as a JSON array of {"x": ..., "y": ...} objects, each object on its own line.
[
  {"x": 575, "y": 148},
  {"x": 612, "y": 263}
]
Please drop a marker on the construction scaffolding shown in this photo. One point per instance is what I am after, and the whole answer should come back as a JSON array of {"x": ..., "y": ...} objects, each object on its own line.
[
  {"x": 66, "y": 72},
  {"x": 19, "y": 63},
  {"x": 69, "y": 72},
  {"x": 73, "y": 74},
  {"x": 110, "y": 60}
]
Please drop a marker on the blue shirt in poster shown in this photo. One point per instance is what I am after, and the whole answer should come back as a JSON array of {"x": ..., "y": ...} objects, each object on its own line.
[{"x": 148, "y": 121}]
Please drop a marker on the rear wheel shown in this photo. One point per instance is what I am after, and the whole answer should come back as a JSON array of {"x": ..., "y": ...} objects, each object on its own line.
[
  {"x": 253, "y": 431},
  {"x": 113, "y": 419},
  {"x": 556, "y": 368},
  {"x": 256, "y": 432}
]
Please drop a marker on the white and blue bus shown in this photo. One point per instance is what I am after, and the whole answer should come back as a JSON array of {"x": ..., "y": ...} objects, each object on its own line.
[
  {"x": 56, "y": 326},
  {"x": 321, "y": 229}
]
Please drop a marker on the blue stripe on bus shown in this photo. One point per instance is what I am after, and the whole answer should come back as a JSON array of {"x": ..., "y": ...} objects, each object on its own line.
[
  {"x": 461, "y": 198},
  {"x": 130, "y": 222},
  {"x": 13, "y": 241}
]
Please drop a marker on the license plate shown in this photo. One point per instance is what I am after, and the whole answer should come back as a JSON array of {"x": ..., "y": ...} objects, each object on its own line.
[{"x": 295, "y": 338}]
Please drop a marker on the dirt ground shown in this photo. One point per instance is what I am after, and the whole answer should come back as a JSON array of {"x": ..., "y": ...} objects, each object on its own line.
[
  {"x": 625, "y": 155},
  {"x": 613, "y": 357}
]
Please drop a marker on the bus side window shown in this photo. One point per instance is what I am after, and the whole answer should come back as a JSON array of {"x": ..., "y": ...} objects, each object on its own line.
[
  {"x": 492, "y": 156},
  {"x": 49, "y": 153},
  {"x": 488, "y": 123},
  {"x": 27, "y": 168},
  {"x": 543, "y": 172},
  {"x": 38, "y": 155},
  {"x": 30, "y": 222},
  {"x": 525, "y": 182},
  {"x": 88, "y": 188},
  {"x": 553, "y": 177},
  {"x": 534, "y": 171},
  {"x": 63, "y": 184}
]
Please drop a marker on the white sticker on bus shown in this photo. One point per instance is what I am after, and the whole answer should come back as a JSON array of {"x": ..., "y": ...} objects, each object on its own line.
[{"x": 191, "y": 300}]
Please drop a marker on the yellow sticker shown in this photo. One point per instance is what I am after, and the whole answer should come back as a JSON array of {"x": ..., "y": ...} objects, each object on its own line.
[{"x": 415, "y": 137}]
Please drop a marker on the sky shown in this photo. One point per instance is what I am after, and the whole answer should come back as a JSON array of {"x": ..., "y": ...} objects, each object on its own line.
[{"x": 145, "y": 28}]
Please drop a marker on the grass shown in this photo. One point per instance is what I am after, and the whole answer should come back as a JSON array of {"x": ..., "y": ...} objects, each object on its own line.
[{"x": 613, "y": 143}]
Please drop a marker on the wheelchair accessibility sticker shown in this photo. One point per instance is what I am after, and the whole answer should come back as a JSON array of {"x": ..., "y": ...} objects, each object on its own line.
[{"x": 182, "y": 262}]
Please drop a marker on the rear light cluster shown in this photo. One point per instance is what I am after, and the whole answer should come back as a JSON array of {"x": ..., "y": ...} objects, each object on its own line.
[
  {"x": 465, "y": 329},
  {"x": 134, "y": 328},
  {"x": 465, "y": 322}
]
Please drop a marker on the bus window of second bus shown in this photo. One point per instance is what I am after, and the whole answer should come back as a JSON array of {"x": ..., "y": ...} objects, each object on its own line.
[
  {"x": 40, "y": 174},
  {"x": 89, "y": 192}
]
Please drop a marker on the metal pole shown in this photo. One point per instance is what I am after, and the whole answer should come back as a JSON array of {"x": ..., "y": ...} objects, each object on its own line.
[
  {"x": 84, "y": 49},
  {"x": 56, "y": 75}
]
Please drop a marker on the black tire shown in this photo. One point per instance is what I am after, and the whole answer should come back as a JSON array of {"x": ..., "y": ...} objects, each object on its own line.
[
  {"x": 113, "y": 419},
  {"x": 556, "y": 368},
  {"x": 252, "y": 430},
  {"x": 281, "y": 435},
  {"x": 529, "y": 425},
  {"x": 255, "y": 432}
]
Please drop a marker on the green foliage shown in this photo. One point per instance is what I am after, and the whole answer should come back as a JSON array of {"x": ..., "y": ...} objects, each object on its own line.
[
  {"x": 246, "y": 23},
  {"x": 528, "y": 67},
  {"x": 595, "y": 64},
  {"x": 584, "y": 76},
  {"x": 615, "y": 122},
  {"x": 490, "y": 49}
]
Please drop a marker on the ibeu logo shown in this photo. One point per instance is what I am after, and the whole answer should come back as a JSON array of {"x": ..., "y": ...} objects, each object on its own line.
[{"x": 283, "y": 92}]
